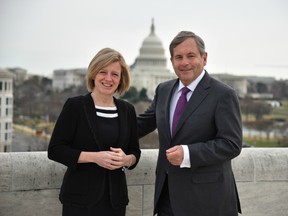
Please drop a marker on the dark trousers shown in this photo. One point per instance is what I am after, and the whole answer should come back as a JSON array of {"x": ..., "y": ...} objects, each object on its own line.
[{"x": 164, "y": 205}]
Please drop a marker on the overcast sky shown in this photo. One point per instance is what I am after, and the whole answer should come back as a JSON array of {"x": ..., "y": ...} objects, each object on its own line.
[{"x": 243, "y": 37}]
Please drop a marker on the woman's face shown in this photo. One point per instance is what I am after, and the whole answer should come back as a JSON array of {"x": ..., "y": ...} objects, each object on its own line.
[{"x": 107, "y": 80}]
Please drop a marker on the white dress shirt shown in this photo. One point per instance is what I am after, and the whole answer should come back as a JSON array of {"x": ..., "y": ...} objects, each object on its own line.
[{"x": 186, "y": 160}]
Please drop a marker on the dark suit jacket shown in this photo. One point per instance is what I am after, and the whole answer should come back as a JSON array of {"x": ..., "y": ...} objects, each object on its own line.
[
  {"x": 76, "y": 131},
  {"x": 211, "y": 126}
]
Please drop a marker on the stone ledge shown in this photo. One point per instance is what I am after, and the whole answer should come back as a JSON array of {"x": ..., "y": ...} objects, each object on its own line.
[
  {"x": 34, "y": 171},
  {"x": 261, "y": 165},
  {"x": 29, "y": 183}
]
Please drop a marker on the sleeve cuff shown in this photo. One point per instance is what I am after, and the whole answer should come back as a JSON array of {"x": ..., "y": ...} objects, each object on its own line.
[{"x": 186, "y": 159}]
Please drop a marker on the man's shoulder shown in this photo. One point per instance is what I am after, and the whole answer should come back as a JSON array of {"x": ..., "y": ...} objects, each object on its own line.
[
  {"x": 221, "y": 85},
  {"x": 217, "y": 84},
  {"x": 167, "y": 84}
]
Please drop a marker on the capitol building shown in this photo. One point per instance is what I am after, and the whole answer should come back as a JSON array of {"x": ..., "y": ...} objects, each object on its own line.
[{"x": 150, "y": 67}]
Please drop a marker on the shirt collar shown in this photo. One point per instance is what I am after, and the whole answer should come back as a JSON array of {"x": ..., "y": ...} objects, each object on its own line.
[{"x": 193, "y": 84}]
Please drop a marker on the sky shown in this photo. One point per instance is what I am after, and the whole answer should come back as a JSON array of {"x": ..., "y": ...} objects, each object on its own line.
[{"x": 242, "y": 37}]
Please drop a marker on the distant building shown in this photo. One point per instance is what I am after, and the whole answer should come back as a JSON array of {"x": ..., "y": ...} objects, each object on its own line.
[
  {"x": 249, "y": 86},
  {"x": 6, "y": 110},
  {"x": 20, "y": 75},
  {"x": 150, "y": 67},
  {"x": 63, "y": 79},
  {"x": 260, "y": 87}
]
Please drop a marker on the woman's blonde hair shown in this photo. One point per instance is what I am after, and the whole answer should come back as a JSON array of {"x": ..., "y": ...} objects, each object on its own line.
[{"x": 101, "y": 60}]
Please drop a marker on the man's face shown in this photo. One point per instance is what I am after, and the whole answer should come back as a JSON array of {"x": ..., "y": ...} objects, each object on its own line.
[{"x": 187, "y": 61}]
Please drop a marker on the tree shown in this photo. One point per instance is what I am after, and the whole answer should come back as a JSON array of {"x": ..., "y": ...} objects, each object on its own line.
[
  {"x": 143, "y": 94},
  {"x": 131, "y": 95},
  {"x": 256, "y": 108},
  {"x": 262, "y": 125},
  {"x": 261, "y": 88},
  {"x": 262, "y": 109},
  {"x": 280, "y": 89}
]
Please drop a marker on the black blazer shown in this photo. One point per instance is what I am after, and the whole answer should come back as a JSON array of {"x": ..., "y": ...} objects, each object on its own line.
[
  {"x": 76, "y": 131},
  {"x": 211, "y": 126}
]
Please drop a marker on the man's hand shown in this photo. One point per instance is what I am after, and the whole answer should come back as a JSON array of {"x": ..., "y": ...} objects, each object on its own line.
[{"x": 175, "y": 155}]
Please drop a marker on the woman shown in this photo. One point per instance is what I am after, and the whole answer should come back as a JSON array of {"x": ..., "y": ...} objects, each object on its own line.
[{"x": 95, "y": 136}]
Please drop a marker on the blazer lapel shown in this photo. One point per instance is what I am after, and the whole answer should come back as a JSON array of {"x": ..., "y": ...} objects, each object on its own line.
[
  {"x": 90, "y": 113},
  {"x": 122, "y": 115}
]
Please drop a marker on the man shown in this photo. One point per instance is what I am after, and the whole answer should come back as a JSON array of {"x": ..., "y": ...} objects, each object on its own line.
[{"x": 194, "y": 175}]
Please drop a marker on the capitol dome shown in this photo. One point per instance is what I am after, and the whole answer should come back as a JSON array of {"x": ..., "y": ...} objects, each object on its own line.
[
  {"x": 152, "y": 51},
  {"x": 149, "y": 68}
]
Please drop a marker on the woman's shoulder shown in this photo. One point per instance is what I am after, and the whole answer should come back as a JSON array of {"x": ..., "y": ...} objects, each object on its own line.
[
  {"x": 76, "y": 101},
  {"x": 123, "y": 103}
]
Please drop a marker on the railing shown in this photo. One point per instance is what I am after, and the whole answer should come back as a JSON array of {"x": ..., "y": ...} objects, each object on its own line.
[{"x": 29, "y": 183}]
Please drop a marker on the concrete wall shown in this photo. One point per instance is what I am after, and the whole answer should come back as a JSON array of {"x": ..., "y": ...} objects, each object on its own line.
[{"x": 29, "y": 183}]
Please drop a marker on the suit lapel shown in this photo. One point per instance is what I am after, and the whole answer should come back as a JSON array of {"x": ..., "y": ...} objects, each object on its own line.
[
  {"x": 199, "y": 94},
  {"x": 171, "y": 88}
]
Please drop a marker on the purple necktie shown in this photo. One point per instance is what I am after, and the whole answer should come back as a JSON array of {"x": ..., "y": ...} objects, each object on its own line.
[{"x": 182, "y": 101}]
